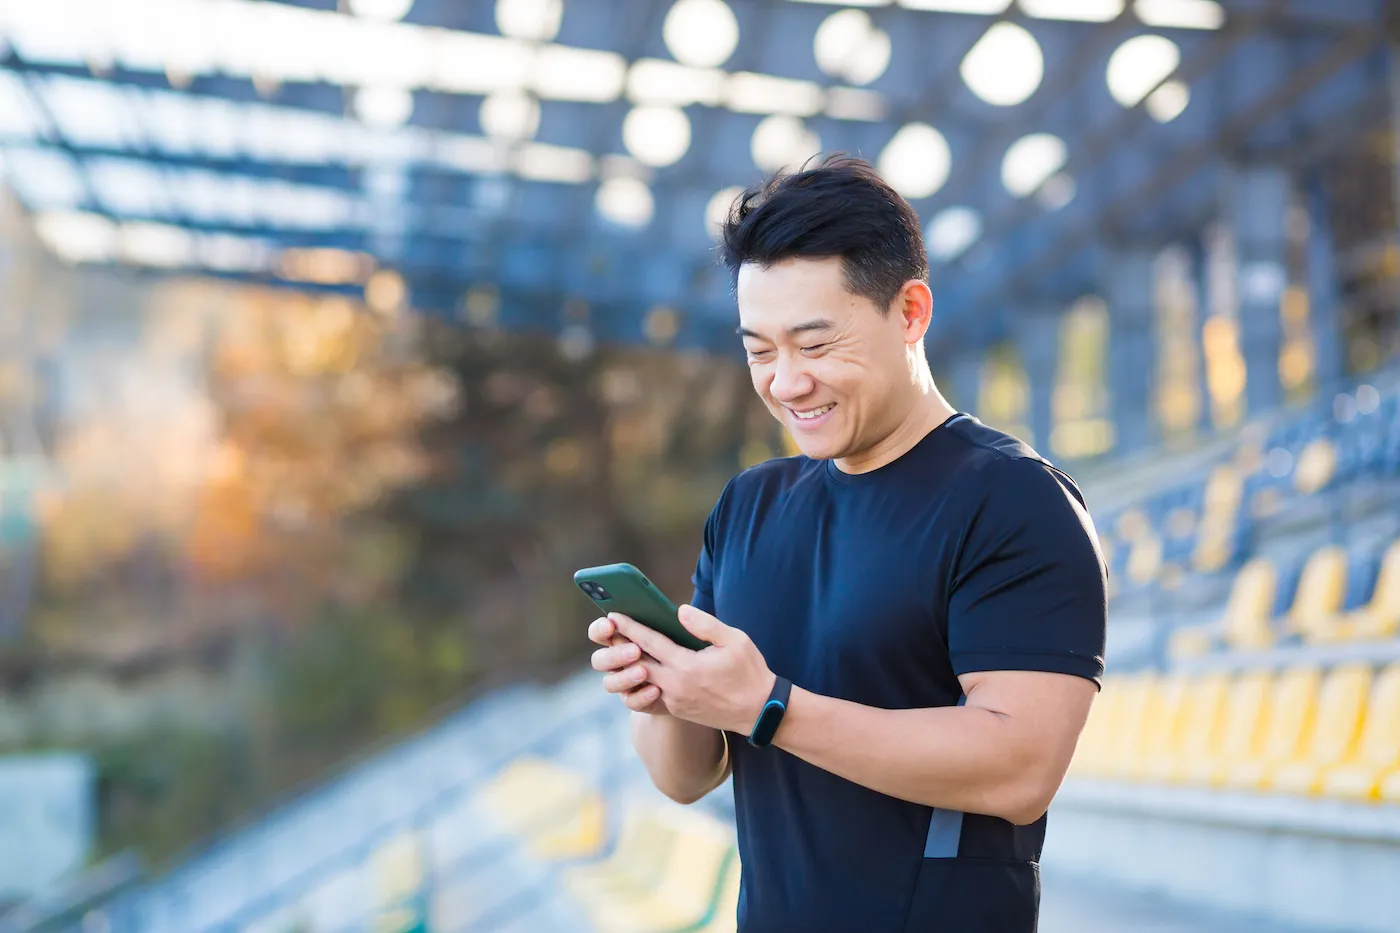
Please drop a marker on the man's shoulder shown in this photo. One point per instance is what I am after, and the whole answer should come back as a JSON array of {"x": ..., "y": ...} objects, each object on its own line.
[
  {"x": 985, "y": 444},
  {"x": 1005, "y": 454}
]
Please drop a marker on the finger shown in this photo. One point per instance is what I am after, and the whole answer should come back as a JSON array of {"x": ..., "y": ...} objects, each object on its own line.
[
  {"x": 650, "y": 640},
  {"x": 641, "y": 698},
  {"x": 617, "y": 657},
  {"x": 601, "y": 631},
  {"x": 702, "y": 625},
  {"x": 629, "y": 678}
]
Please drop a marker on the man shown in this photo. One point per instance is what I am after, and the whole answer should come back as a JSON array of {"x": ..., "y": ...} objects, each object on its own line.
[{"x": 930, "y": 587}]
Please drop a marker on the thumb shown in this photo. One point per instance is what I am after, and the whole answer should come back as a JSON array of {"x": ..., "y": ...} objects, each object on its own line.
[{"x": 702, "y": 625}]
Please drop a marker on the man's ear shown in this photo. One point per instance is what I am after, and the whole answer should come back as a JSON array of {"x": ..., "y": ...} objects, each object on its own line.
[{"x": 915, "y": 305}]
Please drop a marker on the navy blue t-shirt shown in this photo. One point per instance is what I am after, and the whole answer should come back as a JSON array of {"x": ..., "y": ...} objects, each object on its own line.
[{"x": 968, "y": 553}]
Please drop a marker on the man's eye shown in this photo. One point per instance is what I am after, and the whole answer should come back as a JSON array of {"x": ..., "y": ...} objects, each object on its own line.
[
  {"x": 814, "y": 347},
  {"x": 759, "y": 354}
]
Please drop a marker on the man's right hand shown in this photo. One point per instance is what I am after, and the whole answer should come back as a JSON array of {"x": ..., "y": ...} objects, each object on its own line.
[{"x": 624, "y": 669}]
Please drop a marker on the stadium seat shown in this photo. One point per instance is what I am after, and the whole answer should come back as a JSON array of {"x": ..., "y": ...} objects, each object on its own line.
[
  {"x": 558, "y": 812},
  {"x": 1376, "y": 755},
  {"x": 397, "y": 876},
  {"x": 1380, "y": 617},
  {"x": 1190, "y": 641},
  {"x": 1317, "y": 464},
  {"x": 1321, "y": 590},
  {"x": 1128, "y": 724},
  {"x": 1340, "y": 707},
  {"x": 1215, "y": 533},
  {"x": 1161, "y": 726},
  {"x": 1093, "y": 753},
  {"x": 643, "y": 846},
  {"x": 631, "y": 893},
  {"x": 1144, "y": 559},
  {"x": 1246, "y": 702},
  {"x": 1197, "y": 732},
  {"x": 1247, "y": 613},
  {"x": 1288, "y": 721},
  {"x": 1245, "y": 623}
]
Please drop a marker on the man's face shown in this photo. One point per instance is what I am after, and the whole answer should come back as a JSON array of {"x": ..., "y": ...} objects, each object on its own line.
[{"x": 826, "y": 362}]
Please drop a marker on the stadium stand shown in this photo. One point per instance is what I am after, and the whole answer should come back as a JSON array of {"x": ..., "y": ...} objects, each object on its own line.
[{"x": 1254, "y": 733}]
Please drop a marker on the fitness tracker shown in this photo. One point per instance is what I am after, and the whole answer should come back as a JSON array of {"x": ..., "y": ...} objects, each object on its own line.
[{"x": 766, "y": 726}]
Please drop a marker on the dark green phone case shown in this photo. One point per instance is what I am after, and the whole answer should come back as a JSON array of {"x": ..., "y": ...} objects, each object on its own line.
[{"x": 629, "y": 592}]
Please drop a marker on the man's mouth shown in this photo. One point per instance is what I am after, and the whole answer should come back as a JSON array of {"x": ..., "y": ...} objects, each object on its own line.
[{"x": 812, "y": 415}]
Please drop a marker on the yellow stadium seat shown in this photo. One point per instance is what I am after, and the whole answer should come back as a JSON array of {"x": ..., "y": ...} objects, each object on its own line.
[
  {"x": 1317, "y": 463},
  {"x": 1197, "y": 732},
  {"x": 1288, "y": 722},
  {"x": 1161, "y": 726},
  {"x": 1213, "y": 545},
  {"x": 1377, "y": 752},
  {"x": 1340, "y": 706},
  {"x": 1390, "y": 787},
  {"x": 1133, "y": 523},
  {"x": 396, "y": 871},
  {"x": 1380, "y": 617},
  {"x": 558, "y": 812},
  {"x": 1240, "y": 730},
  {"x": 1219, "y": 516},
  {"x": 1249, "y": 610},
  {"x": 682, "y": 896},
  {"x": 1190, "y": 641},
  {"x": 1322, "y": 587},
  {"x": 724, "y": 913},
  {"x": 1092, "y": 753},
  {"x": 1145, "y": 559},
  {"x": 1128, "y": 723},
  {"x": 639, "y": 856}
]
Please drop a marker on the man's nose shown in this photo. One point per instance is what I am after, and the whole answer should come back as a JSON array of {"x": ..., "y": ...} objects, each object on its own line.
[{"x": 791, "y": 380}]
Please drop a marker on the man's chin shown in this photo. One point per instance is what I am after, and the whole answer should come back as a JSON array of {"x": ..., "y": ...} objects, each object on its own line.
[{"x": 818, "y": 449}]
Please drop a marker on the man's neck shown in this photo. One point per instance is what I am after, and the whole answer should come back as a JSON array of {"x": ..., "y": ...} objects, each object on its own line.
[{"x": 929, "y": 412}]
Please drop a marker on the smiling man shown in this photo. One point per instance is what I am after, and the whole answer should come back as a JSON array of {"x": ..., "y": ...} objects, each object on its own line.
[{"x": 906, "y": 621}]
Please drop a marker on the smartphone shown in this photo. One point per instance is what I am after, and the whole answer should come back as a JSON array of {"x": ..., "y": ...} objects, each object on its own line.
[{"x": 625, "y": 589}]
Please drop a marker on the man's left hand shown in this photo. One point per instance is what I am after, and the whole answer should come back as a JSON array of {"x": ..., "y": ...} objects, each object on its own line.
[{"x": 723, "y": 686}]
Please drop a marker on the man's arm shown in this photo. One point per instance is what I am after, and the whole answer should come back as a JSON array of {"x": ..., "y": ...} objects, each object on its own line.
[
  {"x": 685, "y": 761},
  {"x": 1003, "y": 754}
]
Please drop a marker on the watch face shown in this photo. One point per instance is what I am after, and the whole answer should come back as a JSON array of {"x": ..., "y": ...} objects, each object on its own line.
[{"x": 768, "y": 722}]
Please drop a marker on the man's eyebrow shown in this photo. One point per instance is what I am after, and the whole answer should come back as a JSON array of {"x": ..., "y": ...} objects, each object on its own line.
[{"x": 819, "y": 323}]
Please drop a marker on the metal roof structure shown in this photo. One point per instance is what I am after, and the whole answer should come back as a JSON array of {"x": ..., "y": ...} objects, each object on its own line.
[{"x": 565, "y": 154}]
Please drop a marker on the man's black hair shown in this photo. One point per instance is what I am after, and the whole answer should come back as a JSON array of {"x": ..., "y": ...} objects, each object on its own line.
[{"x": 842, "y": 207}]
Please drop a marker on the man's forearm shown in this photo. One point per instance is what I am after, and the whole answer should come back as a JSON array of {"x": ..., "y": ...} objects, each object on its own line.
[
  {"x": 959, "y": 758},
  {"x": 686, "y": 761}
]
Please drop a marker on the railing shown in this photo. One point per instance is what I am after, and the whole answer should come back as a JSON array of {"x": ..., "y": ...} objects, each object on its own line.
[{"x": 125, "y": 915}]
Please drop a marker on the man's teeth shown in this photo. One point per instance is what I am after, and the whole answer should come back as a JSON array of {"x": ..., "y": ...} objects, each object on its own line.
[{"x": 815, "y": 412}]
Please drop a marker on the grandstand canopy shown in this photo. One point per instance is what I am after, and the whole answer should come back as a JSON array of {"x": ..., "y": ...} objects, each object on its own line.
[{"x": 570, "y": 156}]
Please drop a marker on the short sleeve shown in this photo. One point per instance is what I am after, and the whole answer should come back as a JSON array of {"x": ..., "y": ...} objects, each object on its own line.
[
  {"x": 703, "y": 578},
  {"x": 1028, "y": 585}
]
